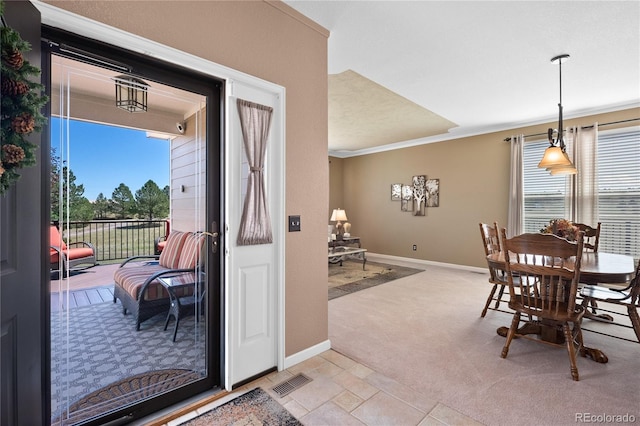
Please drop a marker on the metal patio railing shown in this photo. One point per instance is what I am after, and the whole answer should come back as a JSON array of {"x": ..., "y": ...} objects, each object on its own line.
[{"x": 116, "y": 239}]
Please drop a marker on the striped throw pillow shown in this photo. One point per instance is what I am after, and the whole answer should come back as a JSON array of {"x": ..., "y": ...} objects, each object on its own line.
[
  {"x": 170, "y": 256},
  {"x": 191, "y": 251}
]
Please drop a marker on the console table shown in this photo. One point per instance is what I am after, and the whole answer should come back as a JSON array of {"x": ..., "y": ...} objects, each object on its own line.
[
  {"x": 338, "y": 254},
  {"x": 345, "y": 241}
]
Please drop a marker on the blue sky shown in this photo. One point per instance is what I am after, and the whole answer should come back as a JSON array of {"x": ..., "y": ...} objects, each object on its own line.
[{"x": 102, "y": 157}]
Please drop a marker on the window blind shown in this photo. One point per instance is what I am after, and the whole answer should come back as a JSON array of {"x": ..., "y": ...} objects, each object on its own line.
[{"x": 619, "y": 192}]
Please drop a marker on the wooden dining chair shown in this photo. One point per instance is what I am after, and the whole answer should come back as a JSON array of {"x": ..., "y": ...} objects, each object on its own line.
[
  {"x": 552, "y": 265},
  {"x": 629, "y": 297},
  {"x": 591, "y": 236},
  {"x": 497, "y": 277},
  {"x": 591, "y": 239}
]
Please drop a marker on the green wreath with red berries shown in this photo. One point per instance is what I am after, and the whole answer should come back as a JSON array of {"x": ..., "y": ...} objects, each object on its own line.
[{"x": 22, "y": 101}]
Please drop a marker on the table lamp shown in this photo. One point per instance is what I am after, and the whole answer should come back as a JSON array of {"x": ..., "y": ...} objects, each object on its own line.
[{"x": 338, "y": 215}]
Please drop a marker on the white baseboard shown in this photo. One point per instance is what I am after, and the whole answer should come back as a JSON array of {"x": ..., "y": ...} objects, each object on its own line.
[
  {"x": 307, "y": 353},
  {"x": 419, "y": 263}
]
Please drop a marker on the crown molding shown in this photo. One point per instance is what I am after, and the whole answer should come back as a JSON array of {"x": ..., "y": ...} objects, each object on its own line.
[{"x": 458, "y": 133}]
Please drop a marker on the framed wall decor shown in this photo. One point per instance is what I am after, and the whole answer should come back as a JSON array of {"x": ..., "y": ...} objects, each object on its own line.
[
  {"x": 433, "y": 192},
  {"x": 406, "y": 204},
  {"x": 419, "y": 194},
  {"x": 396, "y": 191}
]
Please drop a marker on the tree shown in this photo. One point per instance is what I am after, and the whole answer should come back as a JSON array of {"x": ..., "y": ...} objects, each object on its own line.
[
  {"x": 152, "y": 201},
  {"x": 122, "y": 202},
  {"x": 80, "y": 208},
  {"x": 101, "y": 206}
]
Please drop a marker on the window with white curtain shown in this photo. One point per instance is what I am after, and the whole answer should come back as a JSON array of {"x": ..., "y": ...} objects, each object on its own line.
[{"x": 618, "y": 167}]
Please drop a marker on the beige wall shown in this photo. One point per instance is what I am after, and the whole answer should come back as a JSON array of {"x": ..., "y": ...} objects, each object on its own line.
[
  {"x": 474, "y": 184},
  {"x": 271, "y": 41},
  {"x": 336, "y": 192}
]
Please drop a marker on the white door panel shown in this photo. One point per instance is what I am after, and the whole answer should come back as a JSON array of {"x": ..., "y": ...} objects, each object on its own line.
[{"x": 254, "y": 273}]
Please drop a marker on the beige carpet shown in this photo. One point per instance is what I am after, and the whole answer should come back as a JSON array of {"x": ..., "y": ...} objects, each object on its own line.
[
  {"x": 425, "y": 332},
  {"x": 350, "y": 277}
]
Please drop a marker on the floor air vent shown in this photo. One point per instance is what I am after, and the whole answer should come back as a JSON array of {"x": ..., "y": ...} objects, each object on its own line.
[{"x": 288, "y": 386}]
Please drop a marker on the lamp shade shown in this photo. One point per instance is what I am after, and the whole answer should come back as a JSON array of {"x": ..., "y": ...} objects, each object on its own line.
[
  {"x": 563, "y": 170},
  {"x": 553, "y": 157},
  {"x": 338, "y": 215}
]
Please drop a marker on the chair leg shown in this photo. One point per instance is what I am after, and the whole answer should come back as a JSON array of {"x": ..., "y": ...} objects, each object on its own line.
[
  {"x": 489, "y": 299},
  {"x": 635, "y": 320},
  {"x": 166, "y": 323},
  {"x": 500, "y": 293},
  {"x": 175, "y": 329},
  {"x": 510, "y": 334},
  {"x": 569, "y": 339}
]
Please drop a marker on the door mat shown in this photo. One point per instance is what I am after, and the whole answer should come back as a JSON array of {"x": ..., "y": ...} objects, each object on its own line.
[
  {"x": 255, "y": 407},
  {"x": 123, "y": 392},
  {"x": 350, "y": 278}
]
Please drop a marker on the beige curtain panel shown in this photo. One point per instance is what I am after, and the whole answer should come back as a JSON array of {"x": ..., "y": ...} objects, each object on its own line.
[{"x": 255, "y": 226}]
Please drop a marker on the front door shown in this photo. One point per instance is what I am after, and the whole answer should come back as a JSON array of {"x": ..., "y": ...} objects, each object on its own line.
[{"x": 22, "y": 244}]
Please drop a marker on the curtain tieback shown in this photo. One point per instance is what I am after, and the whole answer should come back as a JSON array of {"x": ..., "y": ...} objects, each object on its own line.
[{"x": 256, "y": 169}]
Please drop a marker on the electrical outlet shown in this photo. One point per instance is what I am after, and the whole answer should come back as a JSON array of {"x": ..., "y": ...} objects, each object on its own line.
[
  {"x": 415, "y": 247},
  {"x": 294, "y": 223}
]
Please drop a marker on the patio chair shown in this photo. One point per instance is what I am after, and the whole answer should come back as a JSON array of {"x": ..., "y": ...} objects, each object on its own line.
[
  {"x": 136, "y": 280},
  {"x": 161, "y": 241},
  {"x": 69, "y": 256}
]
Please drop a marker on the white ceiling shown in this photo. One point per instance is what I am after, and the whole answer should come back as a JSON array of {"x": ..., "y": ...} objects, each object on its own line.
[{"x": 482, "y": 65}]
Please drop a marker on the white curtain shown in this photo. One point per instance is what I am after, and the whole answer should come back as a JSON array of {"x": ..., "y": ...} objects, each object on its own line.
[
  {"x": 584, "y": 185},
  {"x": 516, "y": 192},
  {"x": 255, "y": 226}
]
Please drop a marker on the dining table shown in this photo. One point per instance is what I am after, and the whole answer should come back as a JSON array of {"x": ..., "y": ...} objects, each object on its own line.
[{"x": 595, "y": 268}]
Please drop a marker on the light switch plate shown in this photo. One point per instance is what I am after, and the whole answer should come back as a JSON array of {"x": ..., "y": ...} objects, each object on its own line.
[{"x": 294, "y": 223}]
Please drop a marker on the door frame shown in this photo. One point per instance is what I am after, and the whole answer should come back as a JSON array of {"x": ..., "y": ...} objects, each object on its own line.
[
  {"x": 213, "y": 89},
  {"x": 61, "y": 19}
]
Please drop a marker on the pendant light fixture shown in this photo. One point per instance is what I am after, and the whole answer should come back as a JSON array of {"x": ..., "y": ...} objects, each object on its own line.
[
  {"x": 131, "y": 93},
  {"x": 555, "y": 158}
]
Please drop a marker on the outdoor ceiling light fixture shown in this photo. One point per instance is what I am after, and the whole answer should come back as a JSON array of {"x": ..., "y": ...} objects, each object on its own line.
[
  {"x": 131, "y": 93},
  {"x": 555, "y": 158}
]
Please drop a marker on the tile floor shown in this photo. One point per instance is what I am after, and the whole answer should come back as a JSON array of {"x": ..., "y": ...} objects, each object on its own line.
[{"x": 344, "y": 392}]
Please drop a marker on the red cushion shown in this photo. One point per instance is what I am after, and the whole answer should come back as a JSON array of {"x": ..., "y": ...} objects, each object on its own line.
[
  {"x": 55, "y": 239},
  {"x": 72, "y": 254},
  {"x": 170, "y": 256},
  {"x": 131, "y": 278}
]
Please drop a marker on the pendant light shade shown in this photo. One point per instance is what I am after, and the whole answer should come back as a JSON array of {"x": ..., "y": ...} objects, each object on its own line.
[
  {"x": 563, "y": 170},
  {"x": 553, "y": 156}
]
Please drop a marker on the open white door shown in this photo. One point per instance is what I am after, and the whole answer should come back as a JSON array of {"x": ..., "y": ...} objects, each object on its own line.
[{"x": 255, "y": 274}]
